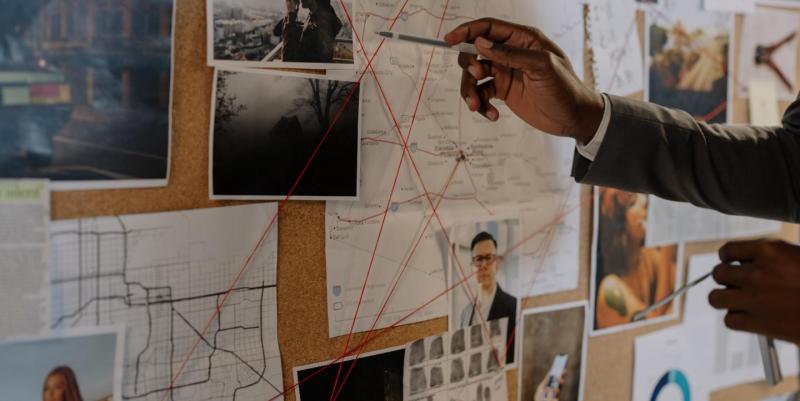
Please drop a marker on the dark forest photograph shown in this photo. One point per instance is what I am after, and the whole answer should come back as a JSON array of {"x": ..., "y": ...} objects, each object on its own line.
[{"x": 266, "y": 128}]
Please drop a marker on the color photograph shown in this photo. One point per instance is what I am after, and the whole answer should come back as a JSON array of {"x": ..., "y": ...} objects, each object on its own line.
[
  {"x": 285, "y": 33},
  {"x": 376, "y": 376},
  {"x": 487, "y": 263},
  {"x": 553, "y": 352},
  {"x": 769, "y": 50},
  {"x": 84, "y": 365},
  {"x": 627, "y": 277},
  {"x": 688, "y": 60},
  {"x": 85, "y": 89},
  {"x": 266, "y": 126}
]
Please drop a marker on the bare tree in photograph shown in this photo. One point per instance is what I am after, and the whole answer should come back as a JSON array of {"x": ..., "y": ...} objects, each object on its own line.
[
  {"x": 325, "y": 98},
  {"x": 227, "y": 107}
]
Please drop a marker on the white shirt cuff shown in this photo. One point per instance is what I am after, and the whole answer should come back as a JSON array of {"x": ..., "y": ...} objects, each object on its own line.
[{"x": 589, "y": 150}]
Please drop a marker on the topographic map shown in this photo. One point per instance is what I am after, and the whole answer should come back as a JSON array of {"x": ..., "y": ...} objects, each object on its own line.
[
  {"x": 163, "y": 277},
  {"x": 427, "y": 162}
]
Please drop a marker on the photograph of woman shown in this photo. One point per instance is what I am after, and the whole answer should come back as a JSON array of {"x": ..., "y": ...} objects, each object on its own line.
[
  {"x": 78, "y": 365},
  {"x": 61, "y": 385},
  {"x": 627, "y": 277}
]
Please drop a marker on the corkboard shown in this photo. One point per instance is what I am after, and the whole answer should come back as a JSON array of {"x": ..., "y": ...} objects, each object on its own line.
[{"x": 301, "y": 274}]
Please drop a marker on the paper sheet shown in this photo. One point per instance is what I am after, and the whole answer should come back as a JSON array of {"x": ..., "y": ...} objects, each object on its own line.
[
  {"x": 665, "y": 368},
  {"x": 451, "y": 164},
  {"x": 770, "y": 27},
  {"x": 561, "y": 21},
  {"x": 730, "y": 6},
  {"x": 163, "y": 275},
  {"x": 616, "y": 48},
  {"x": 730, "y": 357},
  {"x": 24, "y": 274},
  {"x": 670, "y": 222},
  {"x": 458, "y": 364},
  {"x": 763, "y": 102}
]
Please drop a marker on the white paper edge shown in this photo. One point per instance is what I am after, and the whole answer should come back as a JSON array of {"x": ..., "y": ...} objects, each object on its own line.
[
  {"x": 676, "y": 303},
  {"x": 329, "y": 361},
  {"x": 584, "y": 344},
  {"x": 754, "y": 232},
  {"x": 265, "y": 64},
  {"x": 333, "y": 76},
  {"x": 779, "y": 3}
]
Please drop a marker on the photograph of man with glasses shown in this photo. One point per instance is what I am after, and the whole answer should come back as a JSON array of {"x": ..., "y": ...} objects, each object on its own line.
[{"x": 488, "y": 299}]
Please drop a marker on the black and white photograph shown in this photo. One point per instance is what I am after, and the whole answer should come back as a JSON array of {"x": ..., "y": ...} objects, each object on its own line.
[
  {"x": 79, "y": 365},
  {"x": 553, "y": 352},
  {"x": 85, "y": 92},
  {"x": 376, "y": 376},
  {"x": 265, "y": 128},
  {"x": 280, "y": 33},
  {"x": 455, "y": 364},
  {"x": 486, "y": 261}
]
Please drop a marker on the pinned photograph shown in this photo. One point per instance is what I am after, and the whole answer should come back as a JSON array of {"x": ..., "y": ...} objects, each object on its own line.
[
  {"x": 769, "y": 50},
  {"x": 376, "y": 376},
  {"x": 553, "y": 353},
  {"x": 628, "y": 277},
  {"x": 453, "y": 372},
  {"x": 265, "y": 128},
  {"x": 85, "y": 92},
  {"x": 688, "y": 60},
  {"x": 487, "y": 262},
  {"x": 77, "y": 365},
  {"x": 279, "y": 33}
]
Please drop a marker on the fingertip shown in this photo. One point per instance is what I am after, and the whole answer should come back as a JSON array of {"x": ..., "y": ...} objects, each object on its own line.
[
  {"x": 471, "y": 102},
  {"x": 455, "y": 36},
  {"x": 492, "y": 114}
]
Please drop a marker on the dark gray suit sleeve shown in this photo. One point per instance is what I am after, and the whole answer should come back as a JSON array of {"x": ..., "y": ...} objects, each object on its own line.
[{"x": 741, "y": 170}]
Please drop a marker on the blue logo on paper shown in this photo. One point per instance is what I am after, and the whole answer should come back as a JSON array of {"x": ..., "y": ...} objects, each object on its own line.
[{"x": 337, "y": 290}]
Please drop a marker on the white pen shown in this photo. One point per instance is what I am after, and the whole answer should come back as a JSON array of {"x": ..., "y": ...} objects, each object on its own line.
[
  {"x": 641, "y": 314},
  {"x": 461, "y": 47}
]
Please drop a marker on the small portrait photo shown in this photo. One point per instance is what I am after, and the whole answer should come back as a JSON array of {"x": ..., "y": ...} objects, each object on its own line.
[
  {"x": 436, "y": 349},
  {"x": 437, "y": 377},
  {"x": 419, "y": 382},
  {"x": 457, "y": 342},
  {"x": 475, "y": 336},
  {"x": 475, "y": 361},
  {"x": 627, "y": 277},
  {"x": 486, "y": 261},
  {"x": 416, "y": 352},
  {"x": 279, "y": 33},
  {"x": 267, "y": 125},
  {"x": 457, "y": 372},
  {"x": 688, "y": 60},
  {"x": 82, "y": 365},
  {"x": 553, "y": 352}
]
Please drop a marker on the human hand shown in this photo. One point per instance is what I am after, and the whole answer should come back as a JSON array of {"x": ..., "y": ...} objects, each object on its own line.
[
  {"x": 531, "y": 74},
  {"x": 763, "y": 293},
  {"x": 545, "y": 393}
]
